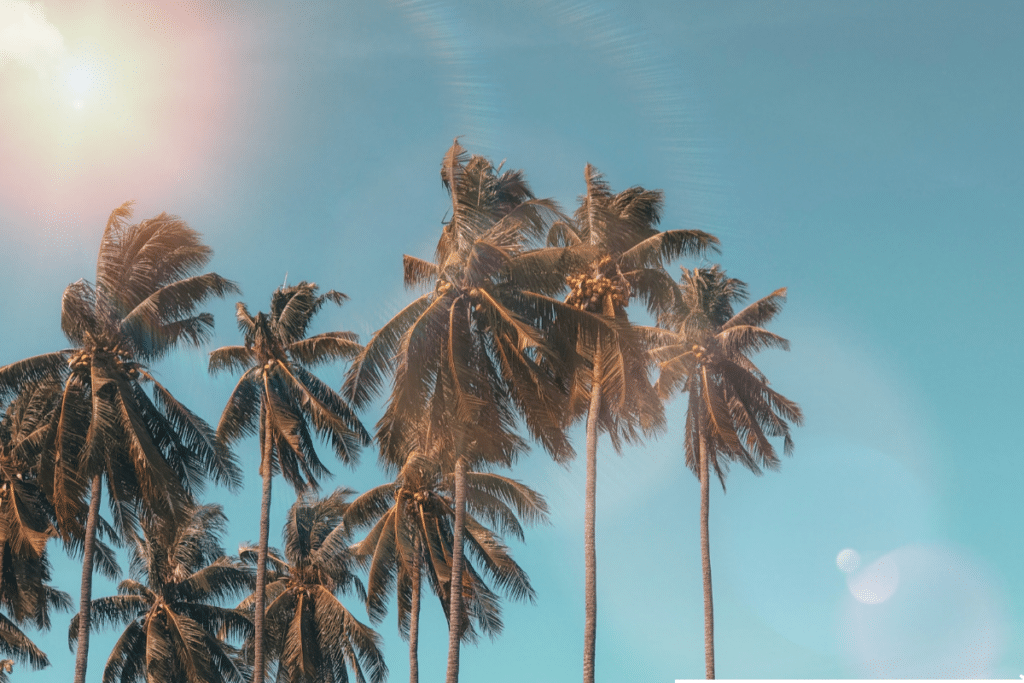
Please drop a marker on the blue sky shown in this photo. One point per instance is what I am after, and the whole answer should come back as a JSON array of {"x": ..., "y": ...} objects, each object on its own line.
[{"x": 865, "y": 155}]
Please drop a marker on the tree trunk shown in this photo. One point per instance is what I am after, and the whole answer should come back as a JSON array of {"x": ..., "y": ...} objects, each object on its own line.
[
  {"x": 455, "y": 610},
  {"x": 705, "y": 557},
  {"x": 259, "y": 658},
  {"x": 414, "y": 620},
  {"x": 589, "y": 523},
  {"x": 85, "y": 600}
]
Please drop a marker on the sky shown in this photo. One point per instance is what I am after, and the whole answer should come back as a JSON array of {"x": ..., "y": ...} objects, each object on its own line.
[{"x": 866, "y": 155}]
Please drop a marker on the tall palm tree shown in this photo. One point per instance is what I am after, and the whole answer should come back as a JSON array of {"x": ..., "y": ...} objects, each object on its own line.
[
  {"x": 611, "y": 386},
  {"x": 732, "y": 412},
  {"x": 153, "y": 453},
  {"x": 279, "y": 398},
  {"x": 466, "y": 355},
  {"x": 169, "y": 606},
  {"x": 309, "y": 633},
  {"x": 411, "y": 537}
]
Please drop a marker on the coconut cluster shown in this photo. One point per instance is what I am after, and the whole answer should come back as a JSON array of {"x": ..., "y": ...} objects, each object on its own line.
[
  {"x": 701, "y": 354},
  {"x": 120, "y": 357},
  {"x": 590, "y": 293}
]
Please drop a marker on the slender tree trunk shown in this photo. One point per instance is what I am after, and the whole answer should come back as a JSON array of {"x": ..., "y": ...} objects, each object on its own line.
[
  {"x": 589, "y": 523},
  {"x": 85, "y": 600},
  {"x": 455, "y": 610},
  {"x": 705, "y": 557},
  {"x": 259, "y": 658},
  {"x": 414, "y": 620}
]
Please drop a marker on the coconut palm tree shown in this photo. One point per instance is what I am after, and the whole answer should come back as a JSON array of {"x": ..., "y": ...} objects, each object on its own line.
[
  {"x": 611, "y": 386},
  {"x": 732, "y": 412},
  {"x": 152, "y": 452},
  {"x": 279, "y": 398},
  {"x": 467, "y": 355},
  {"x": 411, "y": 538},
  {"x": 25, "y": 594},
  {"x": 169, "y": 607},
  {"x": 309, "y": 633}
]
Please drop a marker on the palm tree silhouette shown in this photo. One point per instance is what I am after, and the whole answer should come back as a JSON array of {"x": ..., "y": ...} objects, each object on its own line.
[
  {"x": 153, "y": 453},
  {"x": 610, "y": 384},
  {"x": 169, "y": 606},
  {"x": 411, "y": 539},
  {"x": 25, "y": 593},
  {"x": 731, "y": 412},
  {"x": 279, "y": 398},
  {"x": 467, "y": 355},
  {"x": 309, "y": 633}
]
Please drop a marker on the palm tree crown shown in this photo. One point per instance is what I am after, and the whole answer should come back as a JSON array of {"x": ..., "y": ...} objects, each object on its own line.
[
  {"x": 169, "y": 606},
  {"x": 609, "y": 380},
  {"x": 278, "y": 396},
  {"x": 412, "y": 533},
  {"x": 310, "y": 634},
  {"x": 732, "y": 408}
]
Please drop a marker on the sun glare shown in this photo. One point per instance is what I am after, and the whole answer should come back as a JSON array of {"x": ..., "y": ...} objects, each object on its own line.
[{"x": 98, "y": 99}]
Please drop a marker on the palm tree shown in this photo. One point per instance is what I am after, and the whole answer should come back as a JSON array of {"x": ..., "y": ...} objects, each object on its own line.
[
  {"x": 412, "y": 534},
  {"x": 25, "y": 594},
  {"x": 611, "y": 385},
  {"x": 467, "y": 355},
  {"x": 732, "y": 412},
  {"x": 310, "y": 634},
  {"x": 153, "y": 453},
  {"x": 279, "y": 398},
  {"x": 169, "y": 606}
]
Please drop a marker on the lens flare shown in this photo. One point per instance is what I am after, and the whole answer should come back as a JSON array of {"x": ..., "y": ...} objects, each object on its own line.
[
  {"x": 848, "y": 561},
  {"x": 943, "y": 620},
  {"x": 876, "y": 583}
]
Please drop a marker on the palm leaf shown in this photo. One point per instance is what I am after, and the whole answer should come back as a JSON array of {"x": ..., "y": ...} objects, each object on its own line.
[{"x": 760, "y": 312}]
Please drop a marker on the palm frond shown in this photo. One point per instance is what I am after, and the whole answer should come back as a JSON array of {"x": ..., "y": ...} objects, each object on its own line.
[
  {"x": 366, "y": 375},
  {"x": 665, "y": 247},
  {"x": 760, "y": 312},
  {"x": 239, "y": 418},
  {"x": 418, "y": 272},
  {"x": 325, "y": 348}
]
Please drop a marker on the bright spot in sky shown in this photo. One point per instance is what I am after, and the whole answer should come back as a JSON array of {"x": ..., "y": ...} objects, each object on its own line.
[
  {"x": 82, "y": 78},
  {"x": 945, "y": 623},
  {"x": 79, "y": 104},
  {"x": 27, "y": 38},
  {"x": 876, "y": 583},
  {"x": 848, "y": 560}
]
